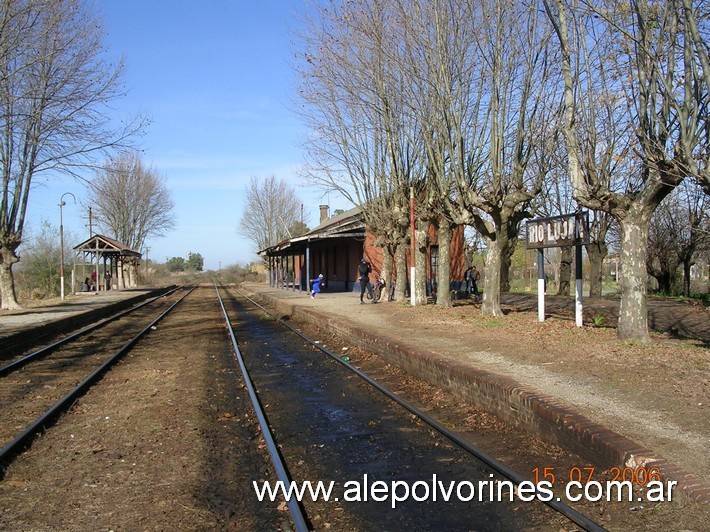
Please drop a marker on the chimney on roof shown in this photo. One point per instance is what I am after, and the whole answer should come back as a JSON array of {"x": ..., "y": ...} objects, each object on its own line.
[{"x": 323, "y": 213}]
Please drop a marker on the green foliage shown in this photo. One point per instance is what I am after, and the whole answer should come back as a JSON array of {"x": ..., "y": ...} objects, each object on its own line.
[
  {"x": 598, "y": 320},
  {"x": 37, "y": 275},
  {"x": 195, "y": 262},
  {"x": 39, "y": 264},
  {"x": 176, "y": 264},
  {"x": 694, "y": 297},
  {"x": 522, "y": 285},
  {"x": 519, "y": 261},
  {"x": 479, "y": 259},
  {"x": 297, "y": 229},
  {"x": 238, "y": 274}
]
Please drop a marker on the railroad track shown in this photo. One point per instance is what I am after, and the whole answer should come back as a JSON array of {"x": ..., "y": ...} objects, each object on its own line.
[
  {"x": 323, "y": 419},
  {"x": 36, "y": 388}
]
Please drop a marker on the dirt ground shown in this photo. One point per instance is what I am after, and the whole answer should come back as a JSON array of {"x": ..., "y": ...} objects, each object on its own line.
[{"x": 166, "y": 441}]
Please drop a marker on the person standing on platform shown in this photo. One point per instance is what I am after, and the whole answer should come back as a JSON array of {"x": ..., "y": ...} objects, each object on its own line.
[
  {"x": 476, "y": 278},
  {"x": 363, "y": 271},
  {"x": 468, "y": 278}
]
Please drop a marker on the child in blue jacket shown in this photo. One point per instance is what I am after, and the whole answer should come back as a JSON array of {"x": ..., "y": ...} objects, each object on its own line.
[{"x": 315, "y": 285}]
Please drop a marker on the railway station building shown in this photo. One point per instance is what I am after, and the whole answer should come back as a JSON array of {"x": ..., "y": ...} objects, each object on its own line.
[{"x": 335, "y": 248}]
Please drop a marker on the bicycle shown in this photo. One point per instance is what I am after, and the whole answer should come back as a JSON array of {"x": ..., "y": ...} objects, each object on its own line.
[{"x": 376, "y": 293}]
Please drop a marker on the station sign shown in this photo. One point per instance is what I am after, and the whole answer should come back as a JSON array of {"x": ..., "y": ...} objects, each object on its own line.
[{"x": 558, "y": 231}]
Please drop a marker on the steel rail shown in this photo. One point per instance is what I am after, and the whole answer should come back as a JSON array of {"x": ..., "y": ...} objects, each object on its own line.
[
  {"x": 46, "y": 350},
  {"x": 570, "y": 513},
  {"x": 51, "y": 415},
  {"x": 281, "y": 473}
]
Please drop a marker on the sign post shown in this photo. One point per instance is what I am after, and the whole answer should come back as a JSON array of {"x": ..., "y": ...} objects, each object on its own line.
[
  {"x": 540, "y": 285},
  {"x": 558, "y": 231},
  {"x": 578, "y": 314}
]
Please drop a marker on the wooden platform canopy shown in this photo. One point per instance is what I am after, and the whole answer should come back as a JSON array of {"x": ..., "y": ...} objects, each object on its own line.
[{"x": 112, "y": 253}]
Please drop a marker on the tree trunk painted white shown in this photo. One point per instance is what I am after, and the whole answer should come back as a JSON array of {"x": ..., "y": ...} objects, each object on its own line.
[
  {"x": 120, "y": 281},
  {"x": 386, "y": 273},
  {"x": 8, "y": 299},
  {"x": 444, "y": 231},
  {"x": 122, "y": 275},
  {"x": 633, "y": 310},
  {"x": 401, "y": 265},
  {"x": 132, "y": 275},
  {"x": 491, "y": 285}
]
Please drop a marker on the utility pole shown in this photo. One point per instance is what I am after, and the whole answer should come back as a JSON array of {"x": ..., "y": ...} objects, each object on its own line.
[
  {"x": 412, "y": 269},
  {"x": 61, "y": 204}
]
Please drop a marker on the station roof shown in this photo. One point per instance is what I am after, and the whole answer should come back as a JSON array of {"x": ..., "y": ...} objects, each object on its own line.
[
  {"x": 348, "y": 224},
  {"x": 106, "y": 246}
]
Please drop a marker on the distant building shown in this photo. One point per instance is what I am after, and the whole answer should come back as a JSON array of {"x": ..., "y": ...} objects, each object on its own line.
[{"x": 335, "y": 247}]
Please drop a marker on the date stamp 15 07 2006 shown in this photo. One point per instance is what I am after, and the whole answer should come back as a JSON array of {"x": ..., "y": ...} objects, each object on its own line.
[{"x": 615, "y": 484}]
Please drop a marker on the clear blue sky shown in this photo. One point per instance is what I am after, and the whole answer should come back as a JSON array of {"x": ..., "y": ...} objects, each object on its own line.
[{"x": 214, "y": 77}]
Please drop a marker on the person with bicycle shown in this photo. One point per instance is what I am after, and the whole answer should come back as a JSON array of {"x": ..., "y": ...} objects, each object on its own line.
[{"x": 363, "y": 271}]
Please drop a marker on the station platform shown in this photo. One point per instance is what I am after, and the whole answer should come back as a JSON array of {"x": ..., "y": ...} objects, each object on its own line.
[
  {"x": 44, "y": 318},
  {"x": 556, "y": 390}
]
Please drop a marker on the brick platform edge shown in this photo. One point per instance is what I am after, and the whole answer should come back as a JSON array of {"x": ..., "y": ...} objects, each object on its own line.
[{"x": 520, "y": 406}]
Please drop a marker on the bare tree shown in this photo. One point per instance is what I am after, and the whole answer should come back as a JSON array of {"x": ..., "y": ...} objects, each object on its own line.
[
  {"x": 677, "y": 234},
  {"x": 271, "y": 210},
  {"x": 131, "y": 201},
  {"x": 54, "y": 92},
  {"x": 695, "y": 237},
  {"x": 644, "y": 56},
  {"x": 480, "y": 89},
  {"x": 361, "y": 141},
  {"x": 696, "y": 143},
  {"x": 38, "y": 273},
  {"x": 557, "y": 198},
  {"x": 664, "y": 229}
]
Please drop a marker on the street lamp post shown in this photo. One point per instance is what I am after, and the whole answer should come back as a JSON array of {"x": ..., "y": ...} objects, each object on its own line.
[{"x": 62, "y": 203}]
